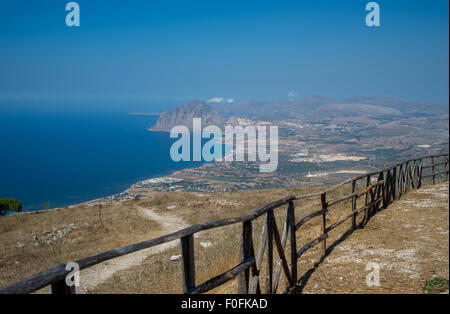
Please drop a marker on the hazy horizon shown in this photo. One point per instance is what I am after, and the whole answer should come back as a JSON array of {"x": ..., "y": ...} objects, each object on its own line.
[{"x": 203, "y": 49}]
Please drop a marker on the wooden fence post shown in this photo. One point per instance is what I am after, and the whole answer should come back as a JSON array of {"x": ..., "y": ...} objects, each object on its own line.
[
  {"x": 446, "y": 167},
  {"x": 394, "y": 183},
  {"x": 420, "y": 174},
  {"x": 392, "y": 186},
  {"x": 354, "y": 205},
  {"x": 416, "y": 174},
  {"x": 386, "y": 188},
  {"x": 323, "y": 200},
  {"x": 281, "y": 244},
  {"x": 188, "y": 263},
  {"x": 269, "y": 267},
  {"x": 282, "y": 261},
  {"x": 293, "y": 240},
  {"x": 61, "y": 287},
  {"x": 405, "y": 178},
  {"x": 367, "y": 193},
  {"x": 379, "y": 190},
  {"x": 411, "y": 175},
  {"x": 255, "y": 286},
  {"x": 383, "y": 192},
  {"x": 432, "y": 170},
  {"x": 245, "y": 252},
  {"x": 366, "y": 202},
  {"x": 400, "y": 181}
]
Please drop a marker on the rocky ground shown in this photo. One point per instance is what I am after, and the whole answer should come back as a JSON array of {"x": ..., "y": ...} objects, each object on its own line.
[{"x": 408, "y": 242}]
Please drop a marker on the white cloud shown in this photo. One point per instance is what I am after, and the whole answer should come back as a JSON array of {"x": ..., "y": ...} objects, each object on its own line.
[
  {"x": 292, "y": 94},
  {"x": 220, "y": 99},
  {"x": 216, "y": 99}
]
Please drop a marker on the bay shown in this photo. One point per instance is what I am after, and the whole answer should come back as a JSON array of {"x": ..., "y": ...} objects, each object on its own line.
[{"x": 66, "y": 154}]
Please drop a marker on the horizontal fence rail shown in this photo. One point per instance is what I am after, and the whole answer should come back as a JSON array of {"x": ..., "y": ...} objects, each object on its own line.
[{"x": 380, "y": 189}]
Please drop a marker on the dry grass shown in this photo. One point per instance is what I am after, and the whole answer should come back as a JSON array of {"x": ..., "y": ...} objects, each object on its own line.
[
  {"x": 408, "y": 240},
  {"x": 157, "y": 274},
  {"x": 94, "y": 230}
]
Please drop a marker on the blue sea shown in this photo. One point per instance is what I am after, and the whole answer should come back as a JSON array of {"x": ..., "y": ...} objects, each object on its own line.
[{"x": 64, "y": 154}]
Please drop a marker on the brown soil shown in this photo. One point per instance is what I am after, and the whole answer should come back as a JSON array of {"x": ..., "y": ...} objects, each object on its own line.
[{"x": 409, "y": 241}]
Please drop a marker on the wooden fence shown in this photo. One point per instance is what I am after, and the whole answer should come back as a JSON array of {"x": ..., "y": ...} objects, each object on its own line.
[{"x": 389, "y": 185}]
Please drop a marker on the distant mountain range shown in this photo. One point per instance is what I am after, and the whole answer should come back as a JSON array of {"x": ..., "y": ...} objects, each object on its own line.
[
  {"x": 370, "y": 106},
  {"x": 310, "y": 107},
  {"x": 353, "y": 110}
]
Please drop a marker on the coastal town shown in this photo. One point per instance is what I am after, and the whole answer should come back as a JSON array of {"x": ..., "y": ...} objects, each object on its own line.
[{"x": 311, "y": 153}]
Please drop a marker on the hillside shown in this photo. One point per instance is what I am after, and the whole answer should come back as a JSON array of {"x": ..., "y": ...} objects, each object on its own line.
[
  {"x": 184, "y": 114},
  {"x": 404, "y": 263},
  {"x": 340, "y": 110},
  {"x": 307, "y": 106},
  {"x": 409, "y": 241}
]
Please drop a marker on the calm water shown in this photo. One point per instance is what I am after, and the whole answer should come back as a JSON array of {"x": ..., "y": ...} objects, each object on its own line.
[{"x": 67, "y": 155}]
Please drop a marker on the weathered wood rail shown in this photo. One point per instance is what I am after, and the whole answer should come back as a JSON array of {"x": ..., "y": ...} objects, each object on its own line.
[{"x": 389, "y": 185}]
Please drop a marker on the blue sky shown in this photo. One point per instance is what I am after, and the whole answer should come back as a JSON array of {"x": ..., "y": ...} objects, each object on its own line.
[{"x": 235, "y": 49}]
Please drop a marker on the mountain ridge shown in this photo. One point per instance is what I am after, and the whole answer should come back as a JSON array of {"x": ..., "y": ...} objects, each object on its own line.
[
  {"x": 183, "y": 115},
  {"x": 313, "y": 106}
]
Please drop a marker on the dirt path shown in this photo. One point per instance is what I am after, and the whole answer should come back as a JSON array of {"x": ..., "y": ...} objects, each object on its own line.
[
  {"x": 409, "y": 241},
  {"x": 93, "y": 276}
]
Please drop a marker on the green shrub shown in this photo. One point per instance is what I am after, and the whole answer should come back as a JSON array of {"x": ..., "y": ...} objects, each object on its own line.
[
  {"x": 9, "y": 204},
  {"x": 435, "y": 285}
]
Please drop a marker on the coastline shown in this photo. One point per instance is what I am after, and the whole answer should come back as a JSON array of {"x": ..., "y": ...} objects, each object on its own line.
[
  {"x": 135, "y": 190},
  {"x": 122, "y": 196},
  {"x": 149, "y": 185},
  {"x": 128, "y": 194}
]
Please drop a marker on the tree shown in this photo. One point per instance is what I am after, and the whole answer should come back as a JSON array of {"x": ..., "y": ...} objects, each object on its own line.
[{"x": 9, "y": 204}]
